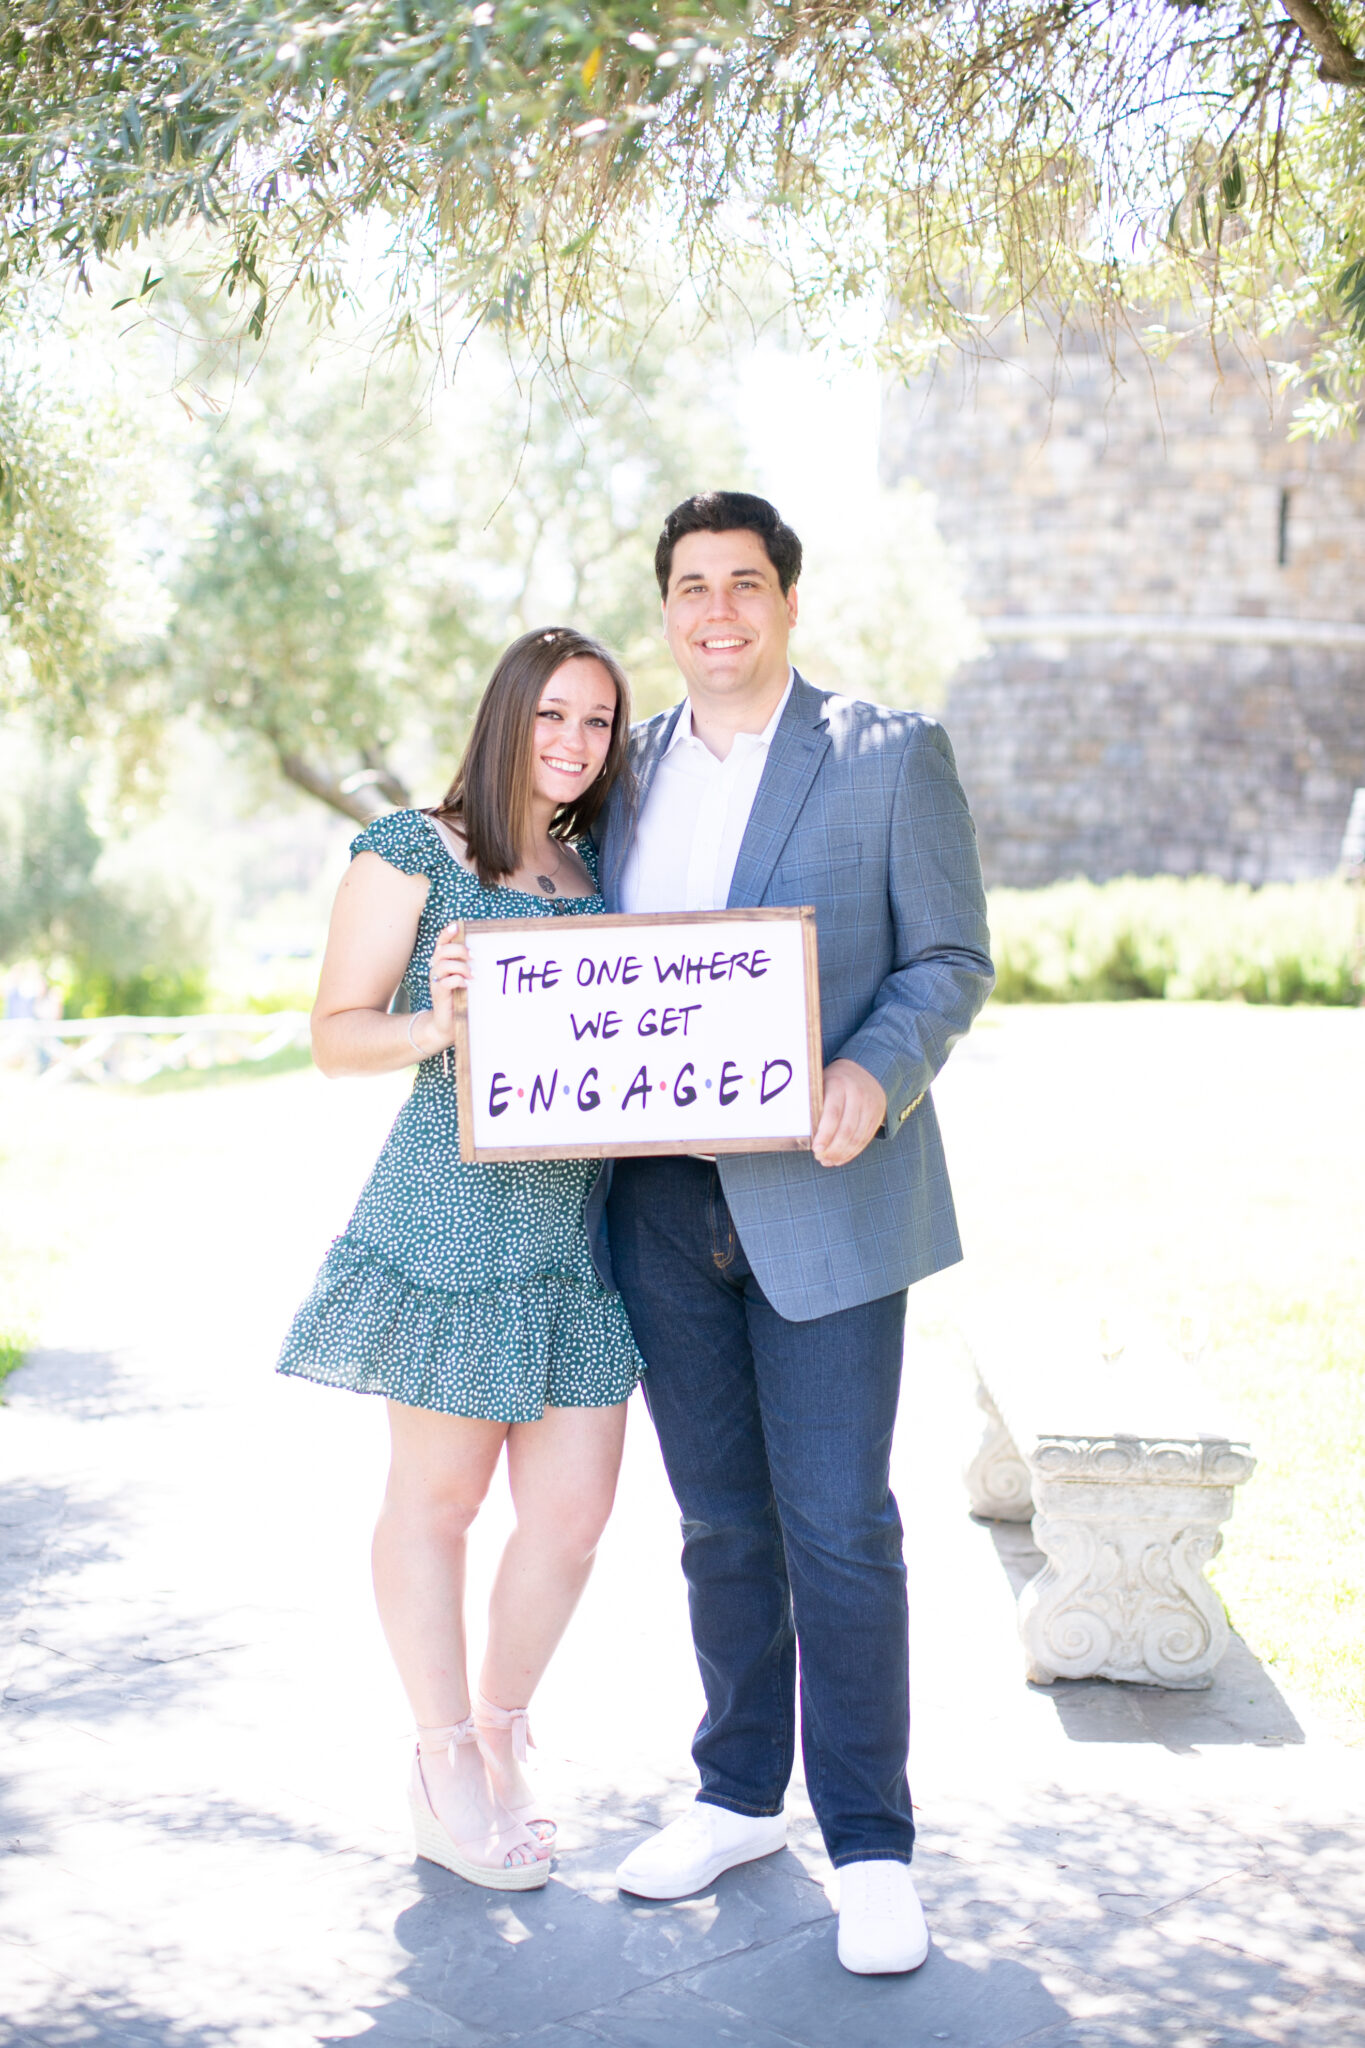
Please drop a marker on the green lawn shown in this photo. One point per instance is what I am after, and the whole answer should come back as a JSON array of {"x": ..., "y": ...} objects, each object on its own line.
[
  {"x": 14, "y": 1325},
  {"x": 181, "y": 1080},
  {"x": 1292, "y": 1572},
  {"x": 12, "y": 1355}
]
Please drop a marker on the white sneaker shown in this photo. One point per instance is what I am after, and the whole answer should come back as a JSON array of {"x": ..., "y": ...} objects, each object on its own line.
[
  {"x": 689, "y": 1853},
  {"x": 881, "y": 1921}
]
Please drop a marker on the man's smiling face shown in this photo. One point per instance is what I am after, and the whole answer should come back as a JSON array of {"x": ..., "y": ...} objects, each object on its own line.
[{"x": 726, "y": 618}]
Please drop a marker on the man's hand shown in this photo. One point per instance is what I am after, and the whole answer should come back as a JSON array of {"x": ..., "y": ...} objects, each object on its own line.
[{"x": 855, "y": 1109}]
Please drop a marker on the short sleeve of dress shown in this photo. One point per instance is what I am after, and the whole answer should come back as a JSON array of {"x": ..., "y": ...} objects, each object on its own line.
[
  {"x": 404, "y": 839},
  {"x": 587, "y": 853}
]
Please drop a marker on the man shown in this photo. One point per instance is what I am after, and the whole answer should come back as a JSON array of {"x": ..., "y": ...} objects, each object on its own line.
[{"x": 767, "y": 1290}]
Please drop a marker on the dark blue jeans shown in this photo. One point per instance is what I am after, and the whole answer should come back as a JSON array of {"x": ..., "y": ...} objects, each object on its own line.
[{"x": 777, "y": 1441}]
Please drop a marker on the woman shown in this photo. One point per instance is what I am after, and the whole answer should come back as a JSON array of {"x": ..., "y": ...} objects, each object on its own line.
[{"x": 466, "y": 1294}]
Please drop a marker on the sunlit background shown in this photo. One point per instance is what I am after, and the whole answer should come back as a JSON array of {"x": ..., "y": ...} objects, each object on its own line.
[{"x": 312, "y": 556}]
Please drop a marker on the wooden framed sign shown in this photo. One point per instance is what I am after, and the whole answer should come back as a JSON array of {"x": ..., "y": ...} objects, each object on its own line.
[{"x": 601, "y": 1037}]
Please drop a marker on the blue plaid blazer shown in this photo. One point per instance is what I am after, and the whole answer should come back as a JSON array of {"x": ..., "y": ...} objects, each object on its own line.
[{"x": 860, "y": 813}]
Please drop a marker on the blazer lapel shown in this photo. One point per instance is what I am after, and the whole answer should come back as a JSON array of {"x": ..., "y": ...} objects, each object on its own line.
[
  {"x": 794, "y": 755},
  {"x": 622, "y": 816}
]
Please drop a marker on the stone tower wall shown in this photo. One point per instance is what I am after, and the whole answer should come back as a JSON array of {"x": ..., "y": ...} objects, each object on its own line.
[{"x": 1175, "y": 598}]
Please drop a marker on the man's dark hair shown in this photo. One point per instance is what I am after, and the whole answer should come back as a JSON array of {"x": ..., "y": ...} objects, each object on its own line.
[{"x": 729, "y": 512}]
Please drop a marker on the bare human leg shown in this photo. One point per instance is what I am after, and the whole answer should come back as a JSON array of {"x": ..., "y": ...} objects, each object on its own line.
[
  {"x": 563, "y": 1471},
  {"x": 439, "y": 1474}
]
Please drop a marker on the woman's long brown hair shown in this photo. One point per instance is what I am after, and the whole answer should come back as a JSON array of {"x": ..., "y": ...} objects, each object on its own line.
[{"x": 490, "y": 798}]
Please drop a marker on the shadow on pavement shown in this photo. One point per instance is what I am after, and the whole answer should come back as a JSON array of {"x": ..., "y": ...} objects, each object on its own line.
[
  {"x": 1171, "y": 1927},
  {"x": 93, "y": 2021},
  {"x": 84, "y": 1386},
  {"x": 47, "y": 1532},
  {"x": 750, "y": 1962},
  {"x": 1243, "y": 1705},
  {"x": 65, "y": 1659},
  {"x": 48, "y": 1535}
]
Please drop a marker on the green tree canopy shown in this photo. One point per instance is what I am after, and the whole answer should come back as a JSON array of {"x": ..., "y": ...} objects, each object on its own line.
[
  {"x": 357, "y": 561},
  {"x": 327, "y": 560},
  {"x": 282, "y": 621},
  {"x": 938, "y": 162},
  {"x": 53, "y": 559}
]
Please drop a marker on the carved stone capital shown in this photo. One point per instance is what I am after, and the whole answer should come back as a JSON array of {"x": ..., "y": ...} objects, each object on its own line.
[
  {"x": 1126, "y": 1521},
  {"x": 1124, "y": 1596},
  {"x": 997, "y": 1477}
]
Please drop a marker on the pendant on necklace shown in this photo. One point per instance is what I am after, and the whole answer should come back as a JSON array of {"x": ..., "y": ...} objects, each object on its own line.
[{"x": 546, "y": 884}]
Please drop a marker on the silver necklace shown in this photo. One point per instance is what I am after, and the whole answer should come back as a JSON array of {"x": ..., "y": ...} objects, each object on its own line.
[{"x": 547, "y": 882}]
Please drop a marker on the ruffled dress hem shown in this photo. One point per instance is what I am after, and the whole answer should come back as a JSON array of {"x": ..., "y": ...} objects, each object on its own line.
[{"x": 500, "y": 1354}]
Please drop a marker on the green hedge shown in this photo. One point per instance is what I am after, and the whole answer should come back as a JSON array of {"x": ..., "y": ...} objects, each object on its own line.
[
  {"x": 92, "y": 991},
  {"x": 1187, "y": 940}
]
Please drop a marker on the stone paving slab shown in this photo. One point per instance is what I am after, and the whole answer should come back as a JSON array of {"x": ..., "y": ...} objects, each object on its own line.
[{"x": 201, "y": 1810}]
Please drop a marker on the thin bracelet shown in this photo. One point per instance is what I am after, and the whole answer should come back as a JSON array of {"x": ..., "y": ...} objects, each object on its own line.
[{"x": 413, "y": 1015}]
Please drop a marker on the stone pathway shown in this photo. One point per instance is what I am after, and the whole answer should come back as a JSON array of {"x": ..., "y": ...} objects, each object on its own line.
[{"x": 202, "y": 1812}]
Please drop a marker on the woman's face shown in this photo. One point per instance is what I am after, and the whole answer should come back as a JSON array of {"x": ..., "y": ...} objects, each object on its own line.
[{"x": 572, "y": 729}]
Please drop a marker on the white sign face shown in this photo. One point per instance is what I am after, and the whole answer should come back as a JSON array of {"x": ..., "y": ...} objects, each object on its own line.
[{"x": 596, "y": 1037}]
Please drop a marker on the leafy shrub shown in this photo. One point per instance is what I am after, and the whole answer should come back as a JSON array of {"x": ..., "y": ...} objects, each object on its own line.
[
  {"x": 1184, "y": 940},
  {"x": 128, "y": 947},
  {"x": 93, "y": 991}
]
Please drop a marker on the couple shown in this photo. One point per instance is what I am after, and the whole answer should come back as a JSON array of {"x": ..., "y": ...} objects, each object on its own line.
[{"x": 762, "y": 1295}]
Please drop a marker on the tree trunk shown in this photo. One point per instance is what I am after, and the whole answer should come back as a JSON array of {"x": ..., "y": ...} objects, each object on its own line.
[
  {"x": 1339, "y": 66},
  {"x": 352, "y": 795},
  {"x": 382, "y": 778}
]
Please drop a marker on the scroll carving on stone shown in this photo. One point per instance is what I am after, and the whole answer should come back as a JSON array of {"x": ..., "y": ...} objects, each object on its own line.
[
  {"x": 1126, "y": 1601},
  {"x": 1126, "y": 1523},
  {"x": 997, "y": 1477}
]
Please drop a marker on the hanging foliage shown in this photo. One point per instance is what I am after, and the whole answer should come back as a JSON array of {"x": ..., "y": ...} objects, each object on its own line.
[{"x": 525, "y": 160}]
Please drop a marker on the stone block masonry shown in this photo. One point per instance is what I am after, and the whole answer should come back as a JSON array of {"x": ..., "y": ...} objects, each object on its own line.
[{"x": 1174, "y": 597}]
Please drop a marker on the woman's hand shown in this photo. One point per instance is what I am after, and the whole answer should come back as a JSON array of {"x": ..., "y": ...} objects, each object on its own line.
[{"x": 450, "y": 973}]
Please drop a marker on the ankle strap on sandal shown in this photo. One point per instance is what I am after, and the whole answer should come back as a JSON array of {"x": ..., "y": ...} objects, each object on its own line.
[
  {"x": 515, "y": 1718},
  {"x": 430, "y": 1741}
]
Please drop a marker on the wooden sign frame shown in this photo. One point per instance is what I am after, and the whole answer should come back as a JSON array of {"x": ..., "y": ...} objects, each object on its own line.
[{"x": 648, "y": 1148}]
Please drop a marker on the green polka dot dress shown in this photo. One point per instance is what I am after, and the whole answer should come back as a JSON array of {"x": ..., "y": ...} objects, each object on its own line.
[{"x": 467, "y": 1289}]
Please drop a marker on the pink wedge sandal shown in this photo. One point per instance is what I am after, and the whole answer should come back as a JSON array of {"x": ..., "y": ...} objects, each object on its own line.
[
  {"x": 489, "y": 1863},
  {"x": 490, "y": 1721}
]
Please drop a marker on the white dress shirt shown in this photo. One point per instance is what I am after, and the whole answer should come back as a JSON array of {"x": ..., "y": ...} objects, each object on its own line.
[{"x": 688, "y": 837}]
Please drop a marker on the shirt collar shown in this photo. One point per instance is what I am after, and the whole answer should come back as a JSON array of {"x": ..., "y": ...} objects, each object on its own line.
[{"x": 682, "y": 731}]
